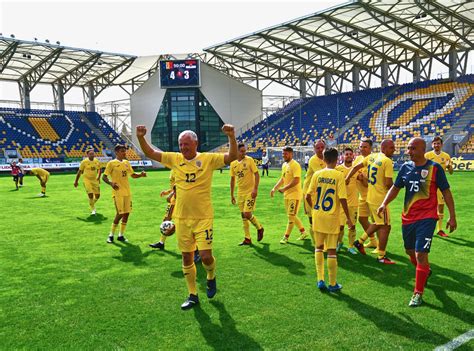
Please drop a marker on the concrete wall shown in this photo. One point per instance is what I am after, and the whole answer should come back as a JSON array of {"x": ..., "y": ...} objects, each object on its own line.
[{"x": 235, "y": 102}]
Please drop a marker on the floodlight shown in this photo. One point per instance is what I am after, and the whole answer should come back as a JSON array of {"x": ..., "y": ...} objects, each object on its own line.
[{"x": 47, "y": 40}]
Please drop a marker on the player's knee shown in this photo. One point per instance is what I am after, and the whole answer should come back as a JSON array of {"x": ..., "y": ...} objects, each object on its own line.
[
  {"x": 206, "y": 256},
  {"x": 188, "y": 258},
  {"x": 422, "y": 258},
  {"x": 247, "y": 215}
]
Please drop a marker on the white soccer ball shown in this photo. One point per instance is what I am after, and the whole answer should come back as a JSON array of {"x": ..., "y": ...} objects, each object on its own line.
[{"x": 167, "y": 228}]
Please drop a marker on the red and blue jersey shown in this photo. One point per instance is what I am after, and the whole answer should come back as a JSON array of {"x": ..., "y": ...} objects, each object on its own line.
[{"x": 421, "y": 184}]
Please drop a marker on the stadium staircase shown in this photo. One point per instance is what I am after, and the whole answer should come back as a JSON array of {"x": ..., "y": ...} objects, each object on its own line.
[
  {"x": 355, "y": 121},
  {"x": 107, "y": 142}
]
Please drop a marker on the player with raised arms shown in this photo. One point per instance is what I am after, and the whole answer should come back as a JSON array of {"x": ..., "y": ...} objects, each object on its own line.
[
  {"x": 439, "y": 156},
  {"x": 194, "y": 214},
  {"x": 328, "y": 188},
  {"x": 421, "y": 179},
  {"x": 90, "y": 168},
  {"x": 380, "y": 174},
  {"x": 292, "y": 192},
  {"x": 119, "y": 170},
  {"x": 248, "y": 178}
]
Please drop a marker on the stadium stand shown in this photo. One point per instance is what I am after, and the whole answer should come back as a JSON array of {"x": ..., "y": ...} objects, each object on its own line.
[
  {"x": 54, "y": 134},
  {"x": 401, "y": 112}
]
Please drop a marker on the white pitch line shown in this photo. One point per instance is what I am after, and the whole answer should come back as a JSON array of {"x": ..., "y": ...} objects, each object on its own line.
[{"x": 456, "y": 342}]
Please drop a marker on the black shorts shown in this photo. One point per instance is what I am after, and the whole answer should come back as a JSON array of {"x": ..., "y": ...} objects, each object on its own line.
[{"x": 265, "y": 166}]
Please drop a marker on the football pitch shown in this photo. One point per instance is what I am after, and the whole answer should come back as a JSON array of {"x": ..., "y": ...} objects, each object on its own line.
[{"x": 63, "y": 287}]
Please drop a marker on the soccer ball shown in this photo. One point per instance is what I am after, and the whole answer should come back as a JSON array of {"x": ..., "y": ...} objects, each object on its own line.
[{"x": 167, "y": 228}]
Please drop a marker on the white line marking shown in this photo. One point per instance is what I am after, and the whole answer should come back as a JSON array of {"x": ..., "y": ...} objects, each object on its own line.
[{"x": 456, "y": 342}]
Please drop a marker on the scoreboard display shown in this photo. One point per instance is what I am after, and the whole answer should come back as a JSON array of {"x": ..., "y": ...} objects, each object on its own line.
[{"x": 179, "y": 73}]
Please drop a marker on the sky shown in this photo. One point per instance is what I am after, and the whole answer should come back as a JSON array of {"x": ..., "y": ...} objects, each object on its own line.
[{"x": 141, "y": 27}]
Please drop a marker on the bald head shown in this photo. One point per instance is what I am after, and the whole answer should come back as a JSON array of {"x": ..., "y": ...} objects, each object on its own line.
[
  {"x": 416, "y": 150},
  {"x": 387, "y": 146}
]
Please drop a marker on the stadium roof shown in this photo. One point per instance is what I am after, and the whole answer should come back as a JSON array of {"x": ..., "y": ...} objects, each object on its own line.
[
  {"x": 45, "y": 63},
  {"x": 360, "y": 34}
]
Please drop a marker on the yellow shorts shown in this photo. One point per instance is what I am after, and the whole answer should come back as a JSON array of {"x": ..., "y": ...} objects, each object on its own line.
[
  {"x": 363, "y": 208},
  {"x": 246, "y": 203},
  {"x": 292, "y": 206},
  {"x": 352, "y": 214},
  {"x": 123, "y": 204},
  {"x": 328, "y": 240},
  {"x": 92, "y": 187},
  {"x": 192, "y": 232},
  {"x": 440, "y": 197},
  {"x": 383, "y": 219}
]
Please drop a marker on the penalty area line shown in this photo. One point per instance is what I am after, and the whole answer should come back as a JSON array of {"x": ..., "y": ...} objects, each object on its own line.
[{"x": 457, "y": 341}]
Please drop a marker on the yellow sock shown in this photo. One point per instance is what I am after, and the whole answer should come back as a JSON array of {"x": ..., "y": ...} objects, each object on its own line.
[
  {"x": 113, "y": 229},
  {"x": 381, "y": 254},
  {"x": 440, "y": 221},
  {"x": 363, "y": 238},
  {"x": 352, "y": 237},
  {"x": 190, "y": 276},
  {"x": 332, "y": 269},
  {"x": 91, "y": 203},
  {"x": 340, "y": 238},
  {"x": 289, "y": 228},
  {"x": 245, "y": 221},
  {"x": 255, "y": 222},
  {"x": 123, "y": 226},
  {"x": 211, "y": 269},
  {"x": 43, "y": 189},
  {"x": 299, "y": 224},
  {"x": 319, "y": 262},
  {"x": 374, "y": 241},
  {"x": 163, "y": 238}
]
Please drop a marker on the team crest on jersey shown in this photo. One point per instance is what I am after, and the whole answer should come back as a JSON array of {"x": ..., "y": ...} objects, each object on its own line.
[
  {"x": 424, "y": 173},
  {"x": 198, "y": 163}
]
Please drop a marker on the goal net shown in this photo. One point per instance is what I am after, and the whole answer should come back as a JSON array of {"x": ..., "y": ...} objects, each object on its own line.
[{"x": 299, "y": 152}]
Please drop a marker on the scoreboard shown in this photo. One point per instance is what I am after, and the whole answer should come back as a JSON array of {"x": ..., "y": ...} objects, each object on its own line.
[{"x": 179, "y": 73}]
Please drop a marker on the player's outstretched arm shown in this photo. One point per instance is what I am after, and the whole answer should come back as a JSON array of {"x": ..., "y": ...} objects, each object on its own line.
[
  {"x": 142, "y": 174},
  {"x": 391, "y": 195},
  {"x": 353, "y": 171},
  {"x": 230, "y": 156},
  {"x": 145, "y": 146},
  {"x": 78, "y": 175},
  {"x": 448, "y": 199}
]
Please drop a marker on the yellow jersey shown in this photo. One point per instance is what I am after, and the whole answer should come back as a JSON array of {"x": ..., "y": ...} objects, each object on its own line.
[
  {"x": 315, "y": 164},
  {"x": 118, "y": 172},
  {"x": 443, "y": 158},
  {"x": 39, "y": 172},
  {"x": 351, "y": 188},
  {"x": 289, "y": 171},
  {"x": 379, "y": 167},
  {"x": 193, "y": 183},
  {"x": 90, "y": 169},
  {"x": 361, "y": 188},
  {"x": 327, "y": 187},
  {"x": 244, "y": 171}
]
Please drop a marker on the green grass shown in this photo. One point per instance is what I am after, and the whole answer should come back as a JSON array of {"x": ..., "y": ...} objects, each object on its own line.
[{"x": 63, "y": 287}]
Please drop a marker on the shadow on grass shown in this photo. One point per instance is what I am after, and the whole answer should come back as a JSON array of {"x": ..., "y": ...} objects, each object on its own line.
[
  {"x": 390, "y": 323},
  {"x": 307, "y": 244},
  {"x": 458, "y": 241},
  {"x": 276, "y": 259},
  {"x": 37, "y": 197},
  {"x": 442, "y": 281},
  {"x": 96, "y": 219},
  {"x": 132, "y": 254},
  {"x": 225, "y": 335},
  {"x": 13, "y": 190}
]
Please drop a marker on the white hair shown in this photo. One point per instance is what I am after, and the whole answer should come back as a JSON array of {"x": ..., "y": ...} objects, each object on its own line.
[{"x": 192, "y": 134}]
